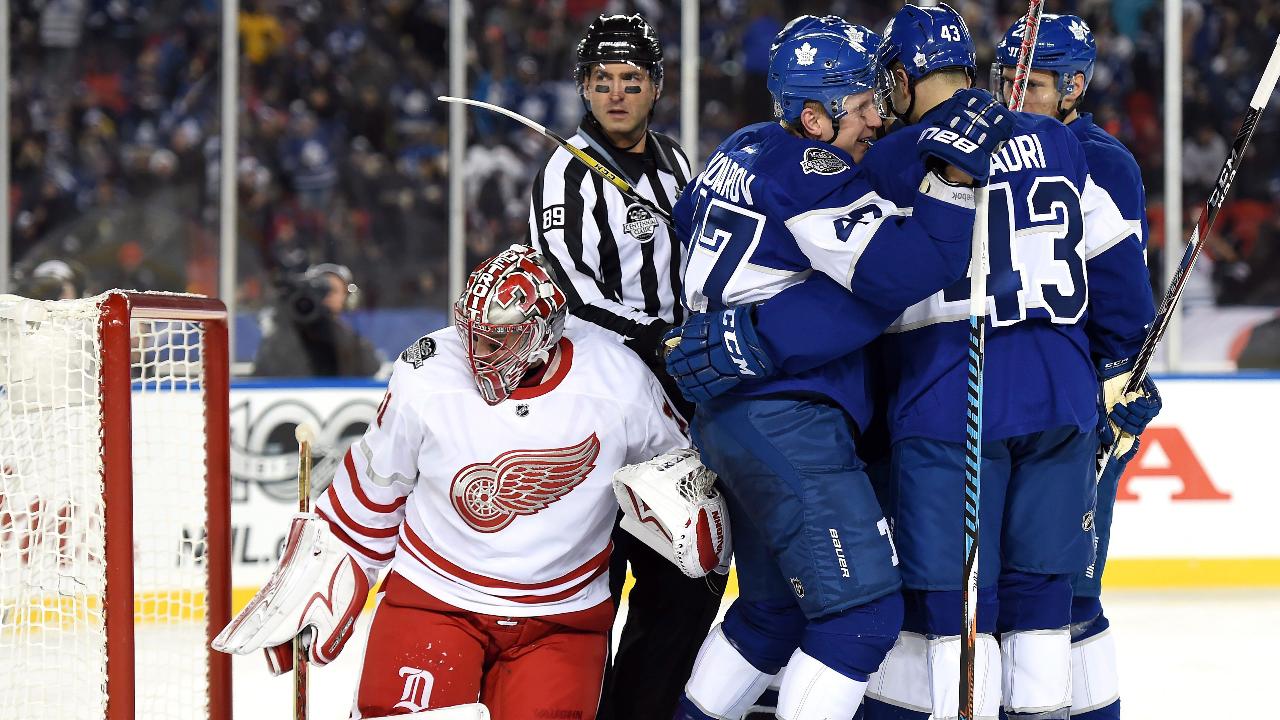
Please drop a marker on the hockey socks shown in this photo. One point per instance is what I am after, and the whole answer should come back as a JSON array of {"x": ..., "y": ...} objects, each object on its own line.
[
  {"x": 1095, "y": 686},
  {"x": 813, "y": 691}
]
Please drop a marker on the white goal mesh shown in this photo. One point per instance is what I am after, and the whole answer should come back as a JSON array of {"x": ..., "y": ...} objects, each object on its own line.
[{"x": 57, "y": 417}]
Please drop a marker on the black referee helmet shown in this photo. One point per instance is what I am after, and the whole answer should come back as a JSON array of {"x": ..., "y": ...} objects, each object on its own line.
[{"x": 620, "y": 39}]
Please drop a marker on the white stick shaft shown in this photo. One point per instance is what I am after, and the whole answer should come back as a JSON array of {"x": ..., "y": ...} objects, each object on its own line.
[{"x": 1269, "y": 76}]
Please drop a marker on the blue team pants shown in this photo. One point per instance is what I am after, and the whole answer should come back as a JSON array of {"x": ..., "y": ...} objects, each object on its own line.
[{"x": 806, "y": 525}]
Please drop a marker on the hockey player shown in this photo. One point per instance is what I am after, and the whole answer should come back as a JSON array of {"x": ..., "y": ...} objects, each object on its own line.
[
  {"x": 485, "y": 484},
  {"x": 1062, "y": 67},
  {"x": 778, "y": 201},
  {"x": 619, "y": 267},
  {"x": 1053, "y": 236}
]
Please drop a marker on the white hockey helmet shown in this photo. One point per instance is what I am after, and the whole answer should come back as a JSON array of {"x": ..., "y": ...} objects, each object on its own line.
[{"x": 510, "y": 316}]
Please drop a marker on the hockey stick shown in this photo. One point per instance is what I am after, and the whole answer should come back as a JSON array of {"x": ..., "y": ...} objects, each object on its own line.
[
  {"x": 596, "y": 166},
  {"x": 1199, "y": 236},
  {"x": 977, "y": 360},
  {"x": 304, "y": 436}
]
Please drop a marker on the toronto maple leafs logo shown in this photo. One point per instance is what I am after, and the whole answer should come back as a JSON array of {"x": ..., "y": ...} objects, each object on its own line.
[
  {"x": 488, "y": 496},
  {"x": 920, "y": 59},
  {"x": 1078, "y": 30},
  {"x": 805, "y": 54},
  {"x": 821, "y": 161},
  {"x": 857, "y": 38}
]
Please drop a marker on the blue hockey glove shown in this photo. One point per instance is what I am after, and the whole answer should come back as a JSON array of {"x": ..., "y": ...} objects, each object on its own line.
[
  {"x": 1107, "y": 435},
  {"x": 1127, "y": 414},
  {"x": 712, "y": 352},
  {"x": 965, "y": 130}
]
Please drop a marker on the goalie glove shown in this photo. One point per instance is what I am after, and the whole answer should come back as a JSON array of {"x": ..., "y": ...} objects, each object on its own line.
[
  {"x": 317, "y": 590},
  {"x": 1126, "y": 415},
  {"x": 670, "y": 504}
]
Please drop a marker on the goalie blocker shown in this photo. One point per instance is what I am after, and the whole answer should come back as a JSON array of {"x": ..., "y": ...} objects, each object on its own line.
[{"x": 670, "y": 504}]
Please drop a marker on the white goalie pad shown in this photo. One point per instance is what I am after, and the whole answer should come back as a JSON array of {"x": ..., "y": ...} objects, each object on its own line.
[
  {"x": 473, "y": 711},
  {"x": 670, "y": 503},
  {"x": 317, "y": 587}
]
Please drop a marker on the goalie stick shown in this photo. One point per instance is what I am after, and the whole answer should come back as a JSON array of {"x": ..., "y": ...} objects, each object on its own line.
[
  {"x": 595, "y": 166},
  {"x": 1199, "y": 236},
  {"x": 973, "y": 406},
  {"x": 304, "y": 436}
]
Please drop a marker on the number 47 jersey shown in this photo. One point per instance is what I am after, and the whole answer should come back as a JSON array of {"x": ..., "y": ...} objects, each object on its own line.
[
  {"x": 1056, "y": 243},
  {"x": 770, "y": 208}
]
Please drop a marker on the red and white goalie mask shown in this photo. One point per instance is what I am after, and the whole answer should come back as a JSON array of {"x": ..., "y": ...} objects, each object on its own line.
[{"x": 510, "y": 316}]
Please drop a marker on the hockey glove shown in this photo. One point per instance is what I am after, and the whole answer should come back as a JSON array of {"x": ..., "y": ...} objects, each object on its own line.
[
  {"x": 670, "y": 503},
  {"x": 964, "y": 131},
  {"x": 1126, "y": 415},
  {"x": 712, "y": 352},
  {"x": 317, "y": 591}
]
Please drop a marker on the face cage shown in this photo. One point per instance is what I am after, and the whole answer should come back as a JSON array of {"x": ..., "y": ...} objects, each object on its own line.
[
  {"x": 1066, "y": 84},
  {"x": 498, "y": 372},
  {"x": 885, "y": 85}
]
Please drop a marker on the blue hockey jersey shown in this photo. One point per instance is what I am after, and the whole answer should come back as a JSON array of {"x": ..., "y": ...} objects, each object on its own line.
[
  {"x": 770, "y": 208},
  {"x": 1067, "y": 285}
]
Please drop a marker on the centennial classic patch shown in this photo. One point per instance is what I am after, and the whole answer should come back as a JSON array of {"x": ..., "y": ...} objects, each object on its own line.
[
  {"x": 640, "y": 224},
  {"x": 418, "y": 352},
  {"x": 822, "y": 162}
]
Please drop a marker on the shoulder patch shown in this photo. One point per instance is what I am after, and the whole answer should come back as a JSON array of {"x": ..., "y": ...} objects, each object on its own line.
[
  {"x": 419, "y": 351},
  {"x": 640, "y": 223},
  {"x": 822, "y": 162}
]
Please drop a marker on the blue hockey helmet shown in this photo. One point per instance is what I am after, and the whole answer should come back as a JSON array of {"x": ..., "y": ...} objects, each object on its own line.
[
  {"x": 800, "y": 25},
  {"x": 924, "y": 40},
  {"x": 1064, "y": 45},
  {"x": 825, "y": 66}
]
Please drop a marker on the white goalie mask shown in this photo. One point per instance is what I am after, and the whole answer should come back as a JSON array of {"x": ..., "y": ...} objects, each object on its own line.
[{"x": 509, "y": 317}]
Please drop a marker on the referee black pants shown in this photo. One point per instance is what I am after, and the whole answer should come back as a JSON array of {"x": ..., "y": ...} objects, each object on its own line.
[{"x": 668, "y": 617}]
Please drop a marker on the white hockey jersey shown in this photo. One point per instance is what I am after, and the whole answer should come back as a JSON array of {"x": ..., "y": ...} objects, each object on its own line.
[{"x": 506, "y": 509}]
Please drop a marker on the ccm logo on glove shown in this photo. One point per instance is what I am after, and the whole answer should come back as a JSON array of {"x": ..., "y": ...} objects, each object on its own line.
[{"x": 731, "y": 345}]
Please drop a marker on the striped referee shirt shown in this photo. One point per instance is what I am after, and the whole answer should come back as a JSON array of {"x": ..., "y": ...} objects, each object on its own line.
[{"x": 618, "y": 264}]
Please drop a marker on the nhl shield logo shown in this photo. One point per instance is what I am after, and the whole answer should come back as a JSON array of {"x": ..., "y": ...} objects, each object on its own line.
[
  {"x": 798, "y": 587},
  {"x": 820, "y": 161},
  {"x": 640, "y": 224},
  {"x": 1086, "y": 523}
]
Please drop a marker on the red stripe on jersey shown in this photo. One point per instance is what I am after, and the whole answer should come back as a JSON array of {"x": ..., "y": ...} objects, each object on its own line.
[
  {"x": 346, "y": 519},
  {"x": 350, "y": 463},
  {"x": 565, "y": 350},
  {"x": 601, "y": 560},
  {"x": 347, "y": 540},
  {"x": 524, "y": 599}
]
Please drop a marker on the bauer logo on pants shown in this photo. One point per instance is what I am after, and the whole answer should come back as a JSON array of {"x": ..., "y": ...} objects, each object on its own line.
[{"x": 640, "y": 224}]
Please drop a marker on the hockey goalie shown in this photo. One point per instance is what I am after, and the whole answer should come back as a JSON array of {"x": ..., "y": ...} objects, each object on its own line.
[{"x": 485, "y": 484}]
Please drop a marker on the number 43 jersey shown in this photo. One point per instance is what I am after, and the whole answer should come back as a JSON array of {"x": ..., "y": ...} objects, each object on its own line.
[
  {"x": 770, "y": 208},
  {"x": 1055, "y": 240}
]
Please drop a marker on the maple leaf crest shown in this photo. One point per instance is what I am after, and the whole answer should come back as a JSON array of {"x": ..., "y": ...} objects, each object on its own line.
[{"x": 806, "y": 53}]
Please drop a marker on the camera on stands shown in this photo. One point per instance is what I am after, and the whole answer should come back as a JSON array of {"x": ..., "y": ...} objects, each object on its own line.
[{"x": 305, "y": 294}]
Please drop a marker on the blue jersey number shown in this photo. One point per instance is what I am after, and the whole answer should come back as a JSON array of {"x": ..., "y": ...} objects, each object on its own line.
[
  {"x": 1054, "y": 209},
  {"x": 728, "y": 233}
]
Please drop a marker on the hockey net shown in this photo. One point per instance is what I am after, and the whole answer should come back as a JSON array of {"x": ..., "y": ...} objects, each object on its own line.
[{"x": 114, "y": 514}]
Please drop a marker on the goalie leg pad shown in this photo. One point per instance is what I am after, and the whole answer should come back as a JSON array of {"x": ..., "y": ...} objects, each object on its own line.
[
  {"x": 723, "y": 683},
  {"x": 813, "y": 691},
  {"x": 317, "y": 587}
]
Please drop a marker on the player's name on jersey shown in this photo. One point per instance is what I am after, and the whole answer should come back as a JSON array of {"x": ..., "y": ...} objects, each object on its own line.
[
  {"x": 1022, "y": 152},
  {"x": 728, "y": 179}
]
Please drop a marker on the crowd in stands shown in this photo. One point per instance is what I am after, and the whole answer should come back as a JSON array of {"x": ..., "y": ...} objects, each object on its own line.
[{"x": 342, "y": 155}]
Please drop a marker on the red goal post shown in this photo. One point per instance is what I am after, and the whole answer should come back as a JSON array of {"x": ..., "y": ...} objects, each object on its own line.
[{"x": 114, "y": 507}]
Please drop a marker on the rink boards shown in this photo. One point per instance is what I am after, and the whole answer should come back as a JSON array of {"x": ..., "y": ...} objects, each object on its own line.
[{"x": 1195, "y": 509}]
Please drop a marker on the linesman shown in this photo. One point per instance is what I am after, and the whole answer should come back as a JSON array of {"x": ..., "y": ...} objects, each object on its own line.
[{"x": 619, "y": 266}]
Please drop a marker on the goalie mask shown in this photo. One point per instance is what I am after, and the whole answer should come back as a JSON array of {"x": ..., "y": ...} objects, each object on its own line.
[{"x": 509, "y": 317}]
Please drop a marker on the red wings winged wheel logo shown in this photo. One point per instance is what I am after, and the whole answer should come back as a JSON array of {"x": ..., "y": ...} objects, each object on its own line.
[{"x": 488, "y": 496}]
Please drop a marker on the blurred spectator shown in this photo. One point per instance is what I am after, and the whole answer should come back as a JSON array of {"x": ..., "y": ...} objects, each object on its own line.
[
  {"x": 53, "y": 280},
  {"x": 1202, "y": 157},
  {"x": 304, "y": 334}
]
